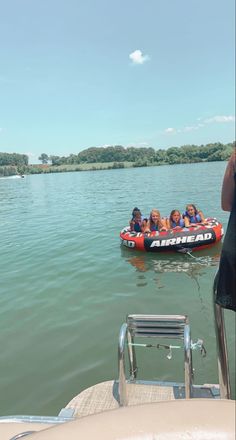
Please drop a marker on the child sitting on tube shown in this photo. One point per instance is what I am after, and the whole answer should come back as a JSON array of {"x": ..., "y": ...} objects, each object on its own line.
[
  {"x": 192, "y": 216},
  {"x": 155, "y": 222},
  {"x": 137, "y": 222}
]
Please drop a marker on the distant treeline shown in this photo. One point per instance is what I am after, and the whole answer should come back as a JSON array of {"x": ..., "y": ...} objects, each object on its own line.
[
  {"x": 11, "y": 164},
  {"x": 115, "y": 157},
  {"x": 147, "y": 156},
  {"x": 13, "y": 159}
]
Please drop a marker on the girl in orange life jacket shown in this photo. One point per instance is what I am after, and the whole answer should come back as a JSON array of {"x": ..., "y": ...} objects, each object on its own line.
[
  {"x": 175, "y": 220},
  {"x": 155, "y": 222},
  {"x": 192, "y": 216}
]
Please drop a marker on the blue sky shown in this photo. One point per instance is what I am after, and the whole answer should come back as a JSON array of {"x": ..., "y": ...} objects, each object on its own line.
[{"x": 76, "y": 74}]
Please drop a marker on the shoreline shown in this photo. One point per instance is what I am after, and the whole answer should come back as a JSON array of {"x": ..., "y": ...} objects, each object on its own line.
[{"x": 96, "y": 166}]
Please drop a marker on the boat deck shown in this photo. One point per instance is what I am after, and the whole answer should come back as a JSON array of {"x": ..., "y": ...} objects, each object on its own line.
[{"x": 104, "y": 396}]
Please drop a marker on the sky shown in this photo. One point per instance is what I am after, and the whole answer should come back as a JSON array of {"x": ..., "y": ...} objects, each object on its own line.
[{"x": 77, "y": 74}]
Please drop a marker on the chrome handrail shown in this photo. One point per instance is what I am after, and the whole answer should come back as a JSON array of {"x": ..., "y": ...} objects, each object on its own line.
[
  {"x": 188, "y": 371},
  {"x": 121, "y": 366},
  {"x": 222, "y": 353},
  {"x": 22, "y": 434}
]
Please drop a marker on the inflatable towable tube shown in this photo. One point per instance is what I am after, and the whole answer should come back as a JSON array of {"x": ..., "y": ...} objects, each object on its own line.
[{"x": 194, "y": 238}]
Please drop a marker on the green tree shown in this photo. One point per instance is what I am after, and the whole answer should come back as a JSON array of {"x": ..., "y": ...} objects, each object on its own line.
[
  {"x": 43, "y": 158},
  {"x": 13, "y": 159},
  {"x": 56, "y": 160}
]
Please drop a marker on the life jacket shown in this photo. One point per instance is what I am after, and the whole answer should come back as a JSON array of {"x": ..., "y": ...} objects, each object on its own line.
[
  {"x": 193, "y": 218},
  {"x": 154, "y": 228},
  {"x": 138, "y": 223},
  {"x": 137, "y": 226},
  {"x": 174, "y": 224}
]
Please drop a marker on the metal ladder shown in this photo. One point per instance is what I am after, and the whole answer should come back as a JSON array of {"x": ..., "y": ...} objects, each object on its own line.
[{"x": 152, "y": 326}]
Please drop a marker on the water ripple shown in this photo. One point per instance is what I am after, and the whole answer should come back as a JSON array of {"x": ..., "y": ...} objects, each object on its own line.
[{"x": 66, "y": 285}]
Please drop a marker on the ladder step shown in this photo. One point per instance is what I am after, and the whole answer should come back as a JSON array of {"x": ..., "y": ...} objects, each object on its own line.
[{"x": 157, "y": 325}]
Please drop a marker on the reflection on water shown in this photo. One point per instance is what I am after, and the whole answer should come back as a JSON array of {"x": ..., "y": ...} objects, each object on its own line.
[{"x": 191, "y": 264}]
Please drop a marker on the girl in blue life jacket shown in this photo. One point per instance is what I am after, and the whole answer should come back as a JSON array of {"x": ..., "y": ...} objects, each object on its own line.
[
  {"x": 192, "y": 216},
  {"x": 175, "y": 220},
  {"x": 155, "y": 222},
  {"x": 137, "y": 223}
]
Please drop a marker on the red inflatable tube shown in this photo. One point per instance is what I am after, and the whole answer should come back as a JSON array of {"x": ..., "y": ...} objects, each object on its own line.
[{"x": 194, "y": 238}]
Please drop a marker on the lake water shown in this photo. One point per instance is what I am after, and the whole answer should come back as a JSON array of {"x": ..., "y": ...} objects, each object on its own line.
[{"x": 67, "y": 285}]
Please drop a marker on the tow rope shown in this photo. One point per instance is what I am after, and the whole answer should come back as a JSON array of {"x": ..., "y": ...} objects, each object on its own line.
[{"x": 194, "y": 346}]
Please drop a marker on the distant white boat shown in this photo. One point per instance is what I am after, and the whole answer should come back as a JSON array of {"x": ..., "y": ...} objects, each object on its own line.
[{"x": 13, "y": 177}]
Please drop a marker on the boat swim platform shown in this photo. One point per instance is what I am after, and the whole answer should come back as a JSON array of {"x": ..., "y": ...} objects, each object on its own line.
[{"x": 105, "y": 395}]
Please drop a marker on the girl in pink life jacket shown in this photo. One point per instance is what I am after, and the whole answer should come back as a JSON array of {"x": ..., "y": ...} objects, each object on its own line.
[
  {"x": 155, "y": 222},
  {"x": 192, "y": 216},
  {"x": 175, "y": 220}
]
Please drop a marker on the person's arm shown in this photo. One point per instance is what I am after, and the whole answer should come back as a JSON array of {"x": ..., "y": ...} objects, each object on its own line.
[
  {"x": 168, "y": 223},
  {"x": 147, "y": 227},
  {"x": 186, "y": 221},
  {"x": 163, "y": 226},
  {"x": 228, "y": 186},
  {"x": 144, "y": 225},
  {"x": 203, "y": 220},
  {"x": 201, "y": 216},
  {"x": 131, "y": 223}
]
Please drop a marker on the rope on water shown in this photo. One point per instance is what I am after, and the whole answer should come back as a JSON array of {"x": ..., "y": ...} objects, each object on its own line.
[{"x": 204, "y": 261}]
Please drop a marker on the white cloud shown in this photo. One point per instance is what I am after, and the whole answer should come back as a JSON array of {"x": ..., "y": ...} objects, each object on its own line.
[
  {"x": 185, "y": 129},
  {"x": 220, "y": 119},
  {"x": 191, "y": 128},
  {"x": 32, "y": 155},
  {"x": 188, "y": 128},
  {"x": 170, "y": 130},
  {"x": 137, "y": 144},
  {"x": 137, "y": 57}
]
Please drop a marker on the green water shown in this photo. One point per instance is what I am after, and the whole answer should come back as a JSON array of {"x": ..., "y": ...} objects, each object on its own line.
[{"x": 66, "y": 285}]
